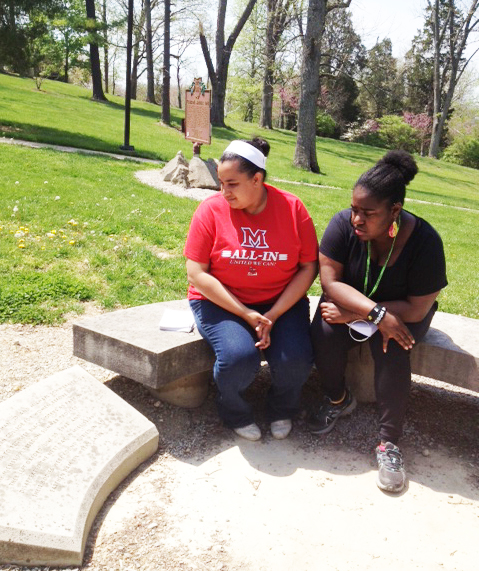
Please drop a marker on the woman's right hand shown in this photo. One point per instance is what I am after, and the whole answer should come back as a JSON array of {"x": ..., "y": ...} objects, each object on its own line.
[{"x": 392, "y": 327}]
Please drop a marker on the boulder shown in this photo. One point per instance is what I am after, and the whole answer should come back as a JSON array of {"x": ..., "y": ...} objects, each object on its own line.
[
  {"x": 170, "y": 169},
  {"x": 203, "y": 174},
  {"x": 180, "y": 176}
]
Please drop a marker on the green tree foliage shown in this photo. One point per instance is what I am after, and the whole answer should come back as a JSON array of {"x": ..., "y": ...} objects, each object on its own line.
[
  {"x": 343, "y": 58},
  {"x": 381, "y": 85},
  {"x": 246, "y": 70},
  {"x": 22, "y": 22}
]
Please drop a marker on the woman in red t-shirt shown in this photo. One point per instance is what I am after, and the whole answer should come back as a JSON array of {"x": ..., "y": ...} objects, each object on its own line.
[{"x": 251, "y": 257}]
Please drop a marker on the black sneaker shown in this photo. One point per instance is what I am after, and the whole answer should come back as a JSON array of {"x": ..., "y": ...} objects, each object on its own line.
[
  {"x": 324, "y": 420},
  {"x": 391, "y": 474}
]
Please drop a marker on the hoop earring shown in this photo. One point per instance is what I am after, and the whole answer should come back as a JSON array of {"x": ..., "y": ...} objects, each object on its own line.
[{"x": 393, "y": 229}]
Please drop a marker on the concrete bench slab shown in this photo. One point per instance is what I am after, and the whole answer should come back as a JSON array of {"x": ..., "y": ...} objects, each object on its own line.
[
  {"x": 177, "y": 366},
  {"x": 65, "y": 444}
]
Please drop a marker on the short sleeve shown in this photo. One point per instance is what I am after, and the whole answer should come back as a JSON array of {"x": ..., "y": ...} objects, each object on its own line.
[
  {"x": 308, "y": 237},
  {"x": 201, "y": 235},
  {"x": 427, "y": 273},
  {"x": 335, "y": 240}
]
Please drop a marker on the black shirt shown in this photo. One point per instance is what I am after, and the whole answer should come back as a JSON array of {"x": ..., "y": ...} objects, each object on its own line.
[{"x": 420, "y": 268}]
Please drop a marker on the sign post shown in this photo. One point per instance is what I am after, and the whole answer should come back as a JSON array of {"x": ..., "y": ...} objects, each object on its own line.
[{"x": 197, "y": 115}]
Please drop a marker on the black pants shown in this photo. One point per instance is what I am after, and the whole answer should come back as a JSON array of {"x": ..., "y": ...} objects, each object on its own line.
[{"x": 392, "y": 370}]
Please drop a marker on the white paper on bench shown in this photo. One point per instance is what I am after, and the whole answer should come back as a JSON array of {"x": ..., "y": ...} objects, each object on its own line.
[{"x": 177, "y": 320}]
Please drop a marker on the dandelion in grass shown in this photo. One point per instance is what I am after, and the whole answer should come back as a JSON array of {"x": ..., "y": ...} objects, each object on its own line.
[
  {"x": 57, "y": 198},
  {"x": 53, "y": 232},
  {"x": 72, "y": 242},
  {"x": 19, "y": 234},
  {"x": 15, "y": 208},
  {"x": 17, "y": 182}
]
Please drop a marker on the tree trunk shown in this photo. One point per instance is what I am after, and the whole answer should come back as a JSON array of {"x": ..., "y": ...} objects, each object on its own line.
[
  {"x": 105, "y": 47},
  {"x": 98, "y": 94},
  {"x": 165, "y": 92},
  {"x": 305, "y": 152},
  {"x": 276, "y": 22},
  {"x": 150, "y": 74}
]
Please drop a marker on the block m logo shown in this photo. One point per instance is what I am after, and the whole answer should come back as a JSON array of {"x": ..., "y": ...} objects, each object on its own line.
[{"x": 253, "y": 239}]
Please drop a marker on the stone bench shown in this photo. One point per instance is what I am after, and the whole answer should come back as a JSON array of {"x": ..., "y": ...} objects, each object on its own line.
[{"x": 177, "y": 366}]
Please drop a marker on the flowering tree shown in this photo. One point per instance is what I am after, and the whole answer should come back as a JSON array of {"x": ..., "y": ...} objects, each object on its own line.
[{"x": 422, "y": 123}]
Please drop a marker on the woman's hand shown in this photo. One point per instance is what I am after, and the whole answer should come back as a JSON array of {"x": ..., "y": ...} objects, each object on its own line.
[
  {"x": 392, "y": 327},
  {"x": 332, "y": 313},
  {"x": 262, "y": 325}
]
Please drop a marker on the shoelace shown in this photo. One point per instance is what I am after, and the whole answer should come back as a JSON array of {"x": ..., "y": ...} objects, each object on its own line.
[{"x": 393, "y": 460}]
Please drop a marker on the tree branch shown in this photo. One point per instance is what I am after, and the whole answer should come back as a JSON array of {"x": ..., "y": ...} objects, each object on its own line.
[
  {"x": 206, "y": 55},
  {"x": 337, "y": 5}
]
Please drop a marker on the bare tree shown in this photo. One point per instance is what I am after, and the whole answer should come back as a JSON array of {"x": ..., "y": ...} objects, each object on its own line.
[
  {"x": 305, "y": 152},
  {"x": 219, "y": 76},
  {"x": 450, "y": 37}
]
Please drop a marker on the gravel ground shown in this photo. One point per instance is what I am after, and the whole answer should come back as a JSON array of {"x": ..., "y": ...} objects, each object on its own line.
[
  {"x": 439, "y": 419},
  {"x": 135, "y": 528}
]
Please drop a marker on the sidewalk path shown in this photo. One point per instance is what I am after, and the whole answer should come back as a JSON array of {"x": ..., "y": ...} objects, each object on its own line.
[
  {"x": 122, "y": 157},
  {"x": 119, "y": 156}
]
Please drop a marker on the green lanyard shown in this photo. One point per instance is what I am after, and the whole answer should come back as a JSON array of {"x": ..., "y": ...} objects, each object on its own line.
[{"x": 368, "y": 262}]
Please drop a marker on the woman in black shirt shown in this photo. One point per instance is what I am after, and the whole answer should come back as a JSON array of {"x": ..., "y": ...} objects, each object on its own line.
[{"x": 381, "y": 269}]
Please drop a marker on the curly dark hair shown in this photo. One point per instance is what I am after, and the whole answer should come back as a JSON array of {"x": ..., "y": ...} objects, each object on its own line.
[
  {"x": 388, "y": 178},
  {"x": 245, "y": 165}
]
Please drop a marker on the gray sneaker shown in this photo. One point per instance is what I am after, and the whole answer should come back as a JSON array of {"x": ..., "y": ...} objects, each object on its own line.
[
  {"x": 391, "y": 474},
  {"x": 324, "y": 420}
]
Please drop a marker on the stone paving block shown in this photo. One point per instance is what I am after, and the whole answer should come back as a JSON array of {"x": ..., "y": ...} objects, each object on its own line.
[{"x": 65, "y": 444}]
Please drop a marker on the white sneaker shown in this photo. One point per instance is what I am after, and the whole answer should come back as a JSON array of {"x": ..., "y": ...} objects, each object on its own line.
[
  {"x": 250, "y": 432},
  {"x": 281, "y": 428}
]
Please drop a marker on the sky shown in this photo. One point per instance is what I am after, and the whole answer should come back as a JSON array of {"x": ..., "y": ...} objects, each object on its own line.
[{"x": 398, "y": 20}]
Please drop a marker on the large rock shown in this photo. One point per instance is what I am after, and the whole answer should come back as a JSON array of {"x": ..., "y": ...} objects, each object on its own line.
[
  {"x": 171, "y": 168},
  {"x": 203, "y": 174},
  {"x": 180, "y": 176},
  {"x": 65, "y": 443}
]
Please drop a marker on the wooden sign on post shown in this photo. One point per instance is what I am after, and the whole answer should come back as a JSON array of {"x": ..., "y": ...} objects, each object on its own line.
[{"x": 197, "y": 113}]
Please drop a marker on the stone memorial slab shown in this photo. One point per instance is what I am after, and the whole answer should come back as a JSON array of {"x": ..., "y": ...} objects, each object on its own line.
[{"x": 65, "y": 444}]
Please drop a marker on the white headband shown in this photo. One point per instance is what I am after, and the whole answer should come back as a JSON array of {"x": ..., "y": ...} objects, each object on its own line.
[{"x": 248, "y": 152}]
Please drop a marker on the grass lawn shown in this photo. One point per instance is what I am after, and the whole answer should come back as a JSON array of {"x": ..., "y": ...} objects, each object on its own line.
[{"x": 76, "y": 227}]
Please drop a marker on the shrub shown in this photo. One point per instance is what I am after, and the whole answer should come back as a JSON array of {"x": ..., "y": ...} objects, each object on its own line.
[
  {"x": 394, "y": 133},
  {"x": 464, "y": 152},
  {"x": 326, "y": 126}
]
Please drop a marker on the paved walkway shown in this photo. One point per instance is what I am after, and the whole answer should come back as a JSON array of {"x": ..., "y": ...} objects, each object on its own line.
[{"x": 119, "y": 156}]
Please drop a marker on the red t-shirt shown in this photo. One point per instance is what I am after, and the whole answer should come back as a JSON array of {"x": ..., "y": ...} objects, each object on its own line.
[{"x": 254, "y": 255}]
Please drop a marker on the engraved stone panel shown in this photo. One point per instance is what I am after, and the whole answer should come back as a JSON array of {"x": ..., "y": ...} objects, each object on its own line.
[{"x": 65, "y": 444}]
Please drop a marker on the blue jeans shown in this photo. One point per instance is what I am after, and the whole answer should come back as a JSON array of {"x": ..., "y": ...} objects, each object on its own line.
[{"x": 290, "y": 357}]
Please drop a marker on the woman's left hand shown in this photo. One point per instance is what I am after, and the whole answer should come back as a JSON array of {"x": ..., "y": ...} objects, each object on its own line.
[{"x": 332, "y": 313}]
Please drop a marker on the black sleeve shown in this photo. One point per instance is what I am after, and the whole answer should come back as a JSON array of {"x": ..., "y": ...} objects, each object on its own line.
[
  {"x": 335, "y": 240},
  {"x": 427, "y": 272}
]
